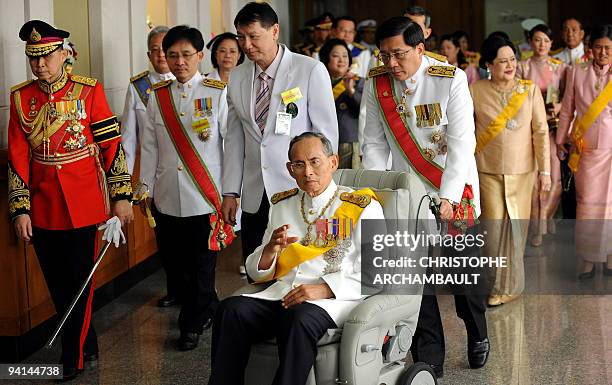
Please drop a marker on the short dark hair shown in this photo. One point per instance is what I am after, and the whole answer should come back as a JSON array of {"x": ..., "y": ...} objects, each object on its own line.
[
  {"x": 183, "y": 32},
  {"x": 501, "y": 34},
  {"x": 492, "y": 44},
  {"x": 459, "y": 34},
  {"x": 572, "y": 18},
  {"x": 327, "y": 48},
  {"x": 346, "y": 18},
  {"x": 256, "y": 12},
  {"x": 461, "y": 60},
  {"x": 416, "y": 10},
  {"x": 600, "y": 32},
  {"x": 540, "y": 28},
  {"x": 328, "y": 149},
  {"x": 214, "y": 44},
  {"x": 400, "y": 25}
]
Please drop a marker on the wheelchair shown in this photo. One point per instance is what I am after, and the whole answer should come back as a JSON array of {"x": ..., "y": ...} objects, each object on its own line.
[{"x": 372, "y": 345}]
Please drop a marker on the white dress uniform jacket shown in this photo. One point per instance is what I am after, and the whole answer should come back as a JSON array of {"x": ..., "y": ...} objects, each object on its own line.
[
  {"x": 161, "y": 168},
  {"x": 454, "y": 152},
  {"x": 571, "y": 56},
  {"x": 345, "y": 284},
  {"x": 133, "y": 119},
  {"x": 254, "y": 161},
  {"x": 361, "y": 63}
]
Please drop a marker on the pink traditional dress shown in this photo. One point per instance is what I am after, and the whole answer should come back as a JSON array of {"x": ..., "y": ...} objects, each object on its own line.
[
  {"x": 588, "y": 93},
  {"x": 549, "y": 75}
]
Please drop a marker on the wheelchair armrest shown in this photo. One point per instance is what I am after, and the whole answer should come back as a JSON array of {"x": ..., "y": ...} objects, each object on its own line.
[
  {"x": 251, "y": 288},
  {"x": 384, "y": 309}
]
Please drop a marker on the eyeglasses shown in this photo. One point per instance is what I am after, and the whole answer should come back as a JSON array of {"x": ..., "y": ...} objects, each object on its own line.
[
  {"x": 299, "y": 166},
  {"x": 398, "y": 55},
  {"x": 175, "y": 56}
]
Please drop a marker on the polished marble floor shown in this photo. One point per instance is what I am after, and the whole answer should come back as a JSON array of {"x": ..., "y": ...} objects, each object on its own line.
[{"x": 536, "y": 340}]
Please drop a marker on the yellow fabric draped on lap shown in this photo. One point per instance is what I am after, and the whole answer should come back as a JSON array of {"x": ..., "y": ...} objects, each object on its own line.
[
  {"x": 498, "y": 124},
  {"x": 585, "y": 122},
  {"x": 296, "y": 253}
]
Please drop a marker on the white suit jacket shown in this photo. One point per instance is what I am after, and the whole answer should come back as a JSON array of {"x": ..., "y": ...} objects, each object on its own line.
[
  {"x": 454, "y": 152},
  {"x": 345, "y": 283},
  {"x": 170, "y": 185},
  {"x": 132, "y": 121},
  {"x": 254, "y": 161}
]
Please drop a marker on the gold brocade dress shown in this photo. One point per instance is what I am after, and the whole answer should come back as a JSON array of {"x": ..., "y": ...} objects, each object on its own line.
[{"x": 506, "y": 167}]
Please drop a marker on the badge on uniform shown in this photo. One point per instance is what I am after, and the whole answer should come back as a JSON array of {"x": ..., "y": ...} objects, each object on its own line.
[
  {"x": 428, "y": 115},
  {"x": 289, "y": 98},
  {"x": 202, "y": 128},
  {"x": 332, "y": 232},
  {"x": 202, "y": 107}
]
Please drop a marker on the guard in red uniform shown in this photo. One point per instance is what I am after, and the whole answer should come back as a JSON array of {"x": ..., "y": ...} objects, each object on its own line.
[{"x": 66, "y": 167}]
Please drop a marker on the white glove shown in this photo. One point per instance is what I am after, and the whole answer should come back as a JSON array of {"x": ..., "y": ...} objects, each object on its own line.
[{"x": 112, "y": 231}]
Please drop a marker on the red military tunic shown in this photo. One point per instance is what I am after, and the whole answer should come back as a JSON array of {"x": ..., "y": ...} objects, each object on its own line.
[{"x": 65, "y": 154}]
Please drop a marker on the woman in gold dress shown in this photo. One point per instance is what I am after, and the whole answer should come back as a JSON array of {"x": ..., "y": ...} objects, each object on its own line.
[{"x": 511, "y": 145}]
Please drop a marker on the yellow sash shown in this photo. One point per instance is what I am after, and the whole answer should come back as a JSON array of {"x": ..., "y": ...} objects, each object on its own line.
[
  {"x": 498, "y": 124},
  {"x": 296, "y": 253},
  {"x": 338, "y": 89},
  {"x": 585, "y": 122}
]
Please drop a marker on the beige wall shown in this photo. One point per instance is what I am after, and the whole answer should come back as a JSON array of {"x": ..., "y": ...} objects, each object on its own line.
[
  {"x": 157, "y": 12},
  {"x": 72, "y": 16}
]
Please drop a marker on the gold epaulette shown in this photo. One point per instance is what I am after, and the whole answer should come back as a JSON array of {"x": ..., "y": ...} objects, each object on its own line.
[
  {"x": 436, "y": 56},
  {"x": 444, "y": 71},
  {"x": 360, "y": 46},
  {"x": 21, "y": 85},
  {"x": 554, "y": 61},
  {"x": 279, "y": 196},
  {"x": 84, "y": 80},
  {"x": 140, "y": 75},
  {"x": 375, "y": 71},
  {"x": 356, "y": 199},
  {"x": 161, "y": 84},
  {"x": 218, "y": 84}
]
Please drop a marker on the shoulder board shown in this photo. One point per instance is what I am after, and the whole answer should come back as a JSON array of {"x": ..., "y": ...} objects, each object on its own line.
[
  {"x": 356, "y": 199},
  {"x": 140, "y": 75},
  {"x": 375, "y": 71},
  {"x": 21, "y": 85},
  {"x": 161, "y": 84},
  {"x": 360, "y": 46},
  {"x": 554, "y": 61},
  {"x": 556, "y": 52},
  {"x": 283, "y": 195},
  {"x": 218, "y": 84},
  {"x": 444, "y": 71},
  {"x": 84, "y": 80},
  {"x": 436, "y": 56}
]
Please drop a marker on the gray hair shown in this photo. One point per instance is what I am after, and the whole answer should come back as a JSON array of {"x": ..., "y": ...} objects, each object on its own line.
[
  {"x": 156, "y": 31},
  {"x": 327, "y": 146}
]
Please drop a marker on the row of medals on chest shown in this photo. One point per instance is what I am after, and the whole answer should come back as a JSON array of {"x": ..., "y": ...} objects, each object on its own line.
[
  {"x": 329, "y": 232},
  {"x": 202, "y": 111},
  {"x": 70, "y": 110},
  {"x": 427, "y": 115}
]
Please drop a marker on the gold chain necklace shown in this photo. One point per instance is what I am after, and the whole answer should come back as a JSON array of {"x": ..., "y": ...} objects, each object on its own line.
[{"x": 307, "y": 240}]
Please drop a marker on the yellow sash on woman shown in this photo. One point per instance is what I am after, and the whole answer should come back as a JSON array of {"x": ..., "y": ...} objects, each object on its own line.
[
  {"x": 498, "y": 124},
  {"x": 585, "y": 122},
  {"x": 296, "y": 253},
  {"x": 338, "y": 89}
]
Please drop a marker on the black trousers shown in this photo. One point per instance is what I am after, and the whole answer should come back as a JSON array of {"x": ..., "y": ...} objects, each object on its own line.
[
  {"x": 568, "y": 198},
  {"x": 428, "y": 340},
  {"x": 184, "y": 240},
  {"x": 66, "y": 257},
  {"x": 171, "y": 268},
  {"x": 243, "y": 321},
  {"x": 252, "y": 228}
]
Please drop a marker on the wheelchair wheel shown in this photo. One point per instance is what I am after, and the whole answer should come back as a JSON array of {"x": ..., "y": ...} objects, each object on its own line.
[{"x": 418, "y": 374}]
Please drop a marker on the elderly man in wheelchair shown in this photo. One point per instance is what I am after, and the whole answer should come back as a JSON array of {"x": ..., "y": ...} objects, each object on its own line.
[{"x": 310, "y": 261}]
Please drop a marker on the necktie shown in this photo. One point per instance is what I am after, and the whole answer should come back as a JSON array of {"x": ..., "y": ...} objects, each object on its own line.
[{"x": 262, "y": 102}]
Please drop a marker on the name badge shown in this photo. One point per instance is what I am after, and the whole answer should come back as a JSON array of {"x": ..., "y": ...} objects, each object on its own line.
[
  {"x": 291, "y": 96},
  {"x": 283, "y": 123}
]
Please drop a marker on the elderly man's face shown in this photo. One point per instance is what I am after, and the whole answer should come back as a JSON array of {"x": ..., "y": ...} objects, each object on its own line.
[
  {"x": 311, "y": 168},
  {"x": 48, "y": 67}
]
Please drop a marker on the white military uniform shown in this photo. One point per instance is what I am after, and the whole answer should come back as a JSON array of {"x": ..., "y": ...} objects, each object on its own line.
[
  {"x": 255, "y": 161},
  {"x": 345, "y": 283},
  {"x": 133, "y": 119},
  {"x": 571, "y": 56},
  {"x": 454, "y": 143},
  {"x": 160, "y": 165}
]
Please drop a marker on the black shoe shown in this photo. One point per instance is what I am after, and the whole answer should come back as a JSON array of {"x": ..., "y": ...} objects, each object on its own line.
[
  {"x": 167, "y": 301},
  {"x": 69, "y": 374},
  {"x": 587, "y": 274},
  {"x": 478, "y": 353},
  {"x": 90, "y": 357},
  {"x": 607, "y": 271},
  {"x": 207, "y": 324},
  {"x": 438, "y": 369},
  {"x": 188, "y": 341}
]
